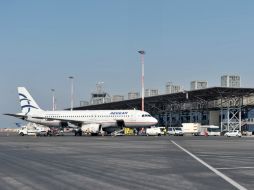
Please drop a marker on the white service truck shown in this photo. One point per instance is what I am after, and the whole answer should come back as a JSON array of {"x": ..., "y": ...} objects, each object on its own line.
[
  {"x": 191, "y": 128},
  {"x": 33, "y": 129},
  {"x": 27, "y": 131}
]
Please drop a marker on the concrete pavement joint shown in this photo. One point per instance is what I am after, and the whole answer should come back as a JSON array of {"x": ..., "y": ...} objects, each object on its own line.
[{"x": 223, "y": 176}]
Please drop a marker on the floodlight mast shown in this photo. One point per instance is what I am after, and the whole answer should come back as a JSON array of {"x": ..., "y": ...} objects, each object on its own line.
[
  {"x": 53, "y": 99},
  {"x": 72, "y": 91},
  {"x": 142, "y": 53}
]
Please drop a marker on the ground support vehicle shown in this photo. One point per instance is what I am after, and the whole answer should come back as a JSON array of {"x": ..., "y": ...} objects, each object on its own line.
[
  {"x": 176, "y": 131},
  {"x": 235, "y": 133}
]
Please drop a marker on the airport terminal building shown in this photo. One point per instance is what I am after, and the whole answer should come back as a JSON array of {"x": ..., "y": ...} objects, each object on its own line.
[{"x": 229, "y": 108}]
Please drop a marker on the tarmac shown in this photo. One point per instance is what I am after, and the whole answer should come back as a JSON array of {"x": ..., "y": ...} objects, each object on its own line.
[{"x": 126, "y": 162}]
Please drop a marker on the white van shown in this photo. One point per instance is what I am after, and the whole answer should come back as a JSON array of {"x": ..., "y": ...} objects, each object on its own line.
[
  {"x": 176, "y": 131},
  {"x": 154, "y": 131}
]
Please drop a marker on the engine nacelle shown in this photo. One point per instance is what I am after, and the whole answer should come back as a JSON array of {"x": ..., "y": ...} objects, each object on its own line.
[
  {"x": 63, "y": 124},
  {"x": 91, "y": 128}
]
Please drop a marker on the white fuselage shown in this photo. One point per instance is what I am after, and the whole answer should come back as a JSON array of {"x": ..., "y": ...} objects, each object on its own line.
[
  {"x": 92, "y": 121},
  {"x": 106, "y": 118}
]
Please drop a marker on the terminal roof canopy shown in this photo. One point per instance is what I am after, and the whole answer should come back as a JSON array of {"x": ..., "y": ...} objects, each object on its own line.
[{"x": 207, "y": 94}]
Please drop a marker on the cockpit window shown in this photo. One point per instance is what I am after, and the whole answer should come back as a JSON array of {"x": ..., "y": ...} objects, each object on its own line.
[{"x": 146, "y": 115}]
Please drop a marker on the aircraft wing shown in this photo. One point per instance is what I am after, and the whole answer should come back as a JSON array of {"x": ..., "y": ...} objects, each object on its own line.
[
  {"x": 18, "y": 115},
  {"x": 75, "y": 122}
]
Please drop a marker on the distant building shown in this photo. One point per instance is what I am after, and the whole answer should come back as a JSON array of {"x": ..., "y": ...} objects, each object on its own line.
[
  {"x": 170, "y": 88},
  {"x": 151, "y": 92},
  {"x": 11, "y": 130},
  {"x": 198, "y": 84},
  {"x": 133, "y": 95},
  {"x": 117, "y": 98},
  {"x": 99, "y": 97},
  {"x": 233, "y": 81}
]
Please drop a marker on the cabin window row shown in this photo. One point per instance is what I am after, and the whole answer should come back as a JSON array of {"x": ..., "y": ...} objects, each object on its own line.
[{"x": 57, "y": 116}]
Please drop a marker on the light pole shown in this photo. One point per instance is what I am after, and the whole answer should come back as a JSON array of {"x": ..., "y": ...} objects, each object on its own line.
[
  {"x": 142, "y": 53},
  {"x": 72, "y": 91},
  {"x": 53, "y": 99}
]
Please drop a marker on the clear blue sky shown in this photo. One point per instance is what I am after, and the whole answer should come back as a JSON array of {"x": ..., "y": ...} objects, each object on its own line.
[{"x": 44, "y": 42}]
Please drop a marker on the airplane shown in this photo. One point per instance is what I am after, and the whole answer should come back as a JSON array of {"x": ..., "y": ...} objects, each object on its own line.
[{"x": 93, "y": 121}]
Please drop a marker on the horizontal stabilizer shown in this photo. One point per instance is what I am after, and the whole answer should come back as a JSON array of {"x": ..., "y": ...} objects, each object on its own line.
[{"x": 18, "y": 115}]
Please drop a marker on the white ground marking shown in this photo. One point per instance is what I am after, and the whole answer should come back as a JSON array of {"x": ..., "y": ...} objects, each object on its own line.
[
  {"x": 236, "y": 168},
  {"x": 226, "y": 178},
  {"x": 13, "y": 183}
]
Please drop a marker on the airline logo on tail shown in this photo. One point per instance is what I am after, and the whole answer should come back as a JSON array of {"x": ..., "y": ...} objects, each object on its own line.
[{"x": 25, "y": 103}]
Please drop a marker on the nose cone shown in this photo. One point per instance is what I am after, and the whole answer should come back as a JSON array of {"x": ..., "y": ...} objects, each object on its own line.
[{"x": 155, "y": 121}]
